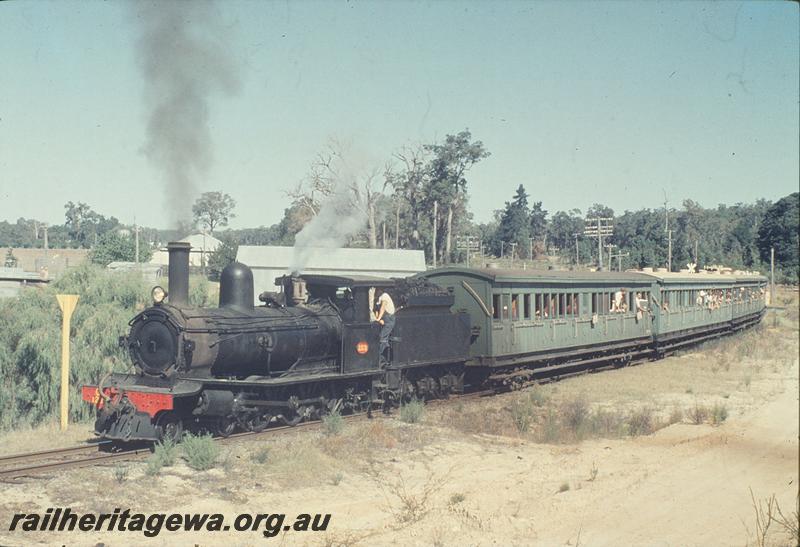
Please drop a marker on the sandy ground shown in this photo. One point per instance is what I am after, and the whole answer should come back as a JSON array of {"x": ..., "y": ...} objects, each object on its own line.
[{"x": 391, "y": 483}]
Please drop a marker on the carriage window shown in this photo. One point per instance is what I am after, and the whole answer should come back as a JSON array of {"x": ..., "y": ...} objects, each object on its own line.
[
  {"x": 526, "y": 308},
  {"x": 515, "y": 298},
  {"x": 506, "y": 308},
  {"x": 594, "y": 303},
  {"x": 570, "y": 305},
  {"x": 606, "y": 306},
  {"x": 538, "y": 305},
  {"x": 576, "y": 309},
  {"x": 547, "y": 310},
  {"x": 495, "y": 306},
  {"x": 561, "y": 310}
]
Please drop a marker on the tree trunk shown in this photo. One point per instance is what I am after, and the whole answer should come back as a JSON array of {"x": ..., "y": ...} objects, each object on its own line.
[
  {"x": 435, "y": 222},
  {"x": 397, "y": 227},
  {"x": 373, "y": 236}
]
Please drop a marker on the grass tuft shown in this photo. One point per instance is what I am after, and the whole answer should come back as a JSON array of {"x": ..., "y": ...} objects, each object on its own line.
[
  {"x": 412, "y": 411},
  {"x": 200, "y": 451},
  {"x": 333, "y": 423}
]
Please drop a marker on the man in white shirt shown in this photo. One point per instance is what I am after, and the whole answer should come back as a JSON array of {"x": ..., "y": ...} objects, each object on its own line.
[{"x": 385, "y": 317}]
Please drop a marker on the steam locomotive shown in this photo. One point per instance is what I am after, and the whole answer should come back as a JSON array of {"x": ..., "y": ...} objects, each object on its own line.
[
  {"x": 309, "y": 349},
  {"x": 312, "y": 347}
]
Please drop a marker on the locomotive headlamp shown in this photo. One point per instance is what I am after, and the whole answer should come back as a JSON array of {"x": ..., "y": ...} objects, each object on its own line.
[
  {"x": 158, "y": 294},
  {"x": 362, "y": 348}
]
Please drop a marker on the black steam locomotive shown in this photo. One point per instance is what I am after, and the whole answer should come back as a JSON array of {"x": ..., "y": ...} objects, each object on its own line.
[{"x": 308, "y": 349}]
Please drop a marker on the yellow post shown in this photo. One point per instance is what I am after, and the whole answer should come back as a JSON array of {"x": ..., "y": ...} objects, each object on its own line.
[{"x": 67, "y": 303}]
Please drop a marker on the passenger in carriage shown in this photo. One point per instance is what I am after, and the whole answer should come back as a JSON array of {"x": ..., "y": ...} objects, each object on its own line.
[
  {"x": 641, "y": 305},
  {"x": 618, "y": 302}
]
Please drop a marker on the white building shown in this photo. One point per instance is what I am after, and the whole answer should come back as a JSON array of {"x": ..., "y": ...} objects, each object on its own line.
[
  {"x": 202, "y": 246},
  {"x": 269, "y": 262}
]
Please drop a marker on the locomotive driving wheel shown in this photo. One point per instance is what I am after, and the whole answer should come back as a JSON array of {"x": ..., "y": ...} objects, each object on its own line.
[
  {"x": 224, "y": 427},
  {"x": 169, "y": 427}
]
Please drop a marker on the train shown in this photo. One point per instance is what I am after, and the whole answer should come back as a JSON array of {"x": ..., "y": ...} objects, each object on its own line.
[{"x": 311, "y": 347}]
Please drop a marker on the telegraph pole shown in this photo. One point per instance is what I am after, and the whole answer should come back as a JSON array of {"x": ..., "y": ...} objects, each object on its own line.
[
  {"x": 513, "y": 249},
  {"x": 577, "y": 254},
  {"x": 136, "y": 239},
  {"x": 603, "y": 228},
  {"x": 772, "y": 275},
  {"x": 435, "y": 212},
  {"x": 610, "y": 246},
  {"x": 669, "y": 252}
]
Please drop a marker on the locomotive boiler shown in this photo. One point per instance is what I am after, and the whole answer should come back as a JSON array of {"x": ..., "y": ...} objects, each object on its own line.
[{"x": 237, "y": 339}]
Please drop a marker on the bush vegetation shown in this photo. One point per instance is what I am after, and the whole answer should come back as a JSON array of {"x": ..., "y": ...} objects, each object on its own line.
[
  {"x": 30, "y": 347},
  {"x": 200, "y": 451},
  {"x": 333, "y": 423},
  {"x": 412, "y": 411}
]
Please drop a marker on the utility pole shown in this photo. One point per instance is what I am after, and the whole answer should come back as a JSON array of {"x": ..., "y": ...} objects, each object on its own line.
[
  {"x": 772, "y": 275},
  {"x": 695, "y": 251},
  {"x": 513, "y": 249},
  {"x": 604, "y": 228},
  {"x": 435, "y": 216},
  {"x": 610, "y": 246},
  {"x": 577, "y": 253},
  {"x": 669, "y": 252},
  {"x": 530, "y": 248},
  {"x": 136, "y": 239},
  {"x": 384, "y": 234}
]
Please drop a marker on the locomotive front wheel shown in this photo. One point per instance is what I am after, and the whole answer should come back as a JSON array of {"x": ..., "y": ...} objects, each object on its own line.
[{"x": 169, "y": 427}]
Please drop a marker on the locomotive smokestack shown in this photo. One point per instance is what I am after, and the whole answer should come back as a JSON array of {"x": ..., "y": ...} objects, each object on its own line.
[{"x": 178, "y": 272}]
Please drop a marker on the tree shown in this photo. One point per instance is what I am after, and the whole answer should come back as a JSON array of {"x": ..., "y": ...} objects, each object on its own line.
[
  {"x": 117, "y": 247},
  {"x": 779, "y": 229},
  {"x": 447, "y": 185},
  {"x": 561, "y": 231},
  {"x": 338, "y": 181},
  {"x": 538, "y": 224},
  {"x": 84, "y": 226},
  {"x": 222, "y": 256},
  {"x": 514, "y": 223},
  {"x": 213, "y": 209}
]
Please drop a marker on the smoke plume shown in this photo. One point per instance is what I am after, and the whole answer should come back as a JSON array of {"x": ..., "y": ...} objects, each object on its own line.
[
  {"x": 185, "y": 60},
  {"x": 341, "y": 215}
]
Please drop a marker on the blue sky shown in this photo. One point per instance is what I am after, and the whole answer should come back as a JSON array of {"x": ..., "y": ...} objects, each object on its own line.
[{"x": 611, "y": 102}]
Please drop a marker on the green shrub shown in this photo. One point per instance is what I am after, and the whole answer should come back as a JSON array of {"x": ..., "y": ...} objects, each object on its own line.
[
  {"x": 166, "y": 452},
  {"x": 522, "y": 413},
  {"x": 120, "y": 473},
  {"x": 412, "y": 411},
  {"x": 719, "y": 413},
  {"x": 575, "y": 415},
  {"x": 200, "y": 451},
  {"x": 332, "y": 423},
  {"x": 261, "y": 455}
]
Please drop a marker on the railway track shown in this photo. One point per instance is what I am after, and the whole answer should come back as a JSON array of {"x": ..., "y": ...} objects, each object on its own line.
[{"x": 42, "y": 462}]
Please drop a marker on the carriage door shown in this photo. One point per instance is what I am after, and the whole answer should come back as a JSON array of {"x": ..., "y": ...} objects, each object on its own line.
[{"x": 502, "y": 334}]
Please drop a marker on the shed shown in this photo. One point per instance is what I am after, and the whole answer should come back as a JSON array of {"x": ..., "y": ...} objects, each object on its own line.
[
  {"x": 202, "y": 246},
  {"x": 270, "y": 262},
  {"x": 13, "y": 280}
]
